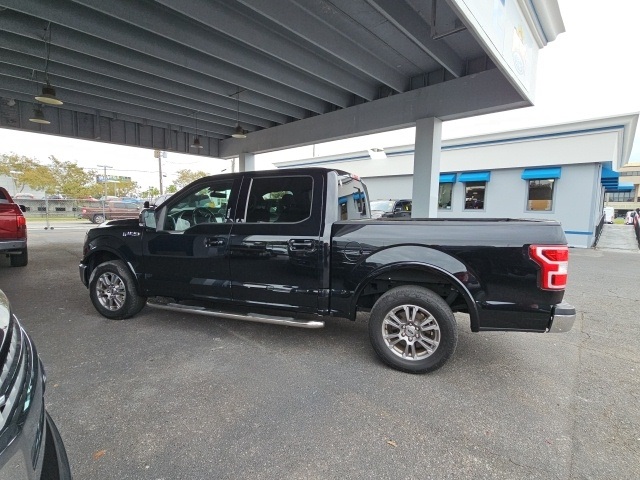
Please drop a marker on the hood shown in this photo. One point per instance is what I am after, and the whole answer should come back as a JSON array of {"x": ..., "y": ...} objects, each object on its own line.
[{"x": 126, "y": 222}]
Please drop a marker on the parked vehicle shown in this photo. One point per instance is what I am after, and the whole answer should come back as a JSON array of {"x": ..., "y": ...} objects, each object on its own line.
[
  {"x": 112, "y": 210},
  {"x": 391, "y": 209},
  {"x": 628, "y": 219},
  {"x": 609, "y": 214},
  {"x": 30, "y": 444},
  {"x": 24, "y": 196},
  {"x": 13, "y": 230},
  {"x": 301, "y": 241},
  {"x": 160, "y": 199}
]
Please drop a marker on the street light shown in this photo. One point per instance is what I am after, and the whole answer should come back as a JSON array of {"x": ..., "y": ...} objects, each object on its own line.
[
  {"x": 115, "y": 182},
  {"x": 13, "y": 179},
  {"x": 104, "y": 182}
]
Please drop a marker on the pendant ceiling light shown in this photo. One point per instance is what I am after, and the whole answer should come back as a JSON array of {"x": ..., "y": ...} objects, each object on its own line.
[
  {"x": 48, "y": 94},
  {"x": 38, "y": 116},
  {"x": 239, "y": 131},
  {"x": 196, "y": 141}
]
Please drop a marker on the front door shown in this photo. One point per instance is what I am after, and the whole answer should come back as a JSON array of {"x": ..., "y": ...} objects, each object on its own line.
[
  {"x": 187, "y": 255},
  {"x": 275, "y": 251}
]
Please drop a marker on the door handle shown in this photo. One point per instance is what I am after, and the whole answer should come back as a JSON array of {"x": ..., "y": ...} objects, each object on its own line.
[{"x": 213, "y": 242}]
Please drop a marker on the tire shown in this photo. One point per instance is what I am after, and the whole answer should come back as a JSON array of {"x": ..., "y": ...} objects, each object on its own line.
[
  {"x": 20, "y": 260},
  {"x": 410, "y": 346},
  {"x": 113, "y": 291},
  {"x": 98, "y": 218}
]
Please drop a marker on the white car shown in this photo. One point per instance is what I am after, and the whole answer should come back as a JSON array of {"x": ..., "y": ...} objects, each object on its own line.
[{"x": 628, "y": 219}]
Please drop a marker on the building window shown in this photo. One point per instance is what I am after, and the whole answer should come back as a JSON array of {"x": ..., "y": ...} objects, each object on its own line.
[
  {"x": 540, "y": 197},
  {"x": 474, "y": 195},
  {"x": 444, "y": 196},
  {"x": 620, "y": 197}
]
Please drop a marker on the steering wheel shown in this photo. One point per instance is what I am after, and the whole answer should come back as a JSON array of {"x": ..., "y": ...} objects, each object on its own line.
[{"x": 203, "y": 215}]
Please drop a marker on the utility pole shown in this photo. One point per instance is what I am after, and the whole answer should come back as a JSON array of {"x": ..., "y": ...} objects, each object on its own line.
[
  {"x": 104, "y": 183},
  {"x": 159, "y": 154}
]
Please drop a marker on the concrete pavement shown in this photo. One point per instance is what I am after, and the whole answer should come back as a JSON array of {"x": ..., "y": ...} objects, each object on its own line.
[{"x": 177, "y": 396}]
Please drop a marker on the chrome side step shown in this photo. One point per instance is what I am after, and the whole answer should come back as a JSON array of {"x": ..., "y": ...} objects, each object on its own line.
[{"x": 248, "y": 317}]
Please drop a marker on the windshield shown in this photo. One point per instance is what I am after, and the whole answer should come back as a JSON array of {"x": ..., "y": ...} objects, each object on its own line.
[{"x": 382, "y": 205}]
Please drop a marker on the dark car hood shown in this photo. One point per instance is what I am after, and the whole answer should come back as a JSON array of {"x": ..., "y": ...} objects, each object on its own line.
[{"x": 126, "y": 222}]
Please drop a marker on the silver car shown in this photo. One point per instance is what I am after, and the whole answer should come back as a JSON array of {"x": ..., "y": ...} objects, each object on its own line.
[{"x": 30, "y": 445}]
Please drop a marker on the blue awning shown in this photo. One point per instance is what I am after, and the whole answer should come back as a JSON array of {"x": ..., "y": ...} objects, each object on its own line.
[
  {"x": 541, "y": 173},
  {"x": 447, "y": 178},
  {"x": 474, "y": 177},
  {"x": 622, "y": 187},
  {"x": 609, "y": 178}
]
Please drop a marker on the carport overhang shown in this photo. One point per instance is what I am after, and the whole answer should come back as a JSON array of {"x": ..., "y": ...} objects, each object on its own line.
[{"x": 292, "y": 73}]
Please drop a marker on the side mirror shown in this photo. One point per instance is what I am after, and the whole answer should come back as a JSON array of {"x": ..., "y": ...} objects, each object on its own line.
[
  {"x": 148, "y": 218},
  {"x": 146, "y": 204},
  {"x": 23, "y": 208}
]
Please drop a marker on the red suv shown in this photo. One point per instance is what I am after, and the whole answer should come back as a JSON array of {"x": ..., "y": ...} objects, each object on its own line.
[{"x": 13, "y": 230}]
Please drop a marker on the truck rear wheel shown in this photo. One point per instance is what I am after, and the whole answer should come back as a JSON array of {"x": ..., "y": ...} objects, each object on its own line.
[
  {"x": 412, "y": 329},
  {"x": 98, "y": 218},
  {"x": 113, "y": 291},
  {"x": 20, "y": 260}
]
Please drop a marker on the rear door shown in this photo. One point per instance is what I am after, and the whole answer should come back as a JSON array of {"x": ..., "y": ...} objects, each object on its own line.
[
  {"x": 187, "y": 256},
  {"x": 276, "y": 255}
]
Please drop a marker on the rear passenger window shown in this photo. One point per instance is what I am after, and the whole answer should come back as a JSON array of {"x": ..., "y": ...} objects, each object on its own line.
[
  {"x": 352, "y": 198},
  {"x": 279, "y": 199}
]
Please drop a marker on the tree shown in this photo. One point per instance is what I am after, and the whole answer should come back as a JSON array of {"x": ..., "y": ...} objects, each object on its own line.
[
  {"x": 150, "y": 192},
  {"x": 71, "y": 180},
  {"x": 32, "y": 173},
  {"x": 171, "y": 189},
  {"x": 185, "y": 177}
]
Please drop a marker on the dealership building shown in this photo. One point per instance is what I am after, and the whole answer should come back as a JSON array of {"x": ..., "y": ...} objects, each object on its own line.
[{"x": 562, "y": 172}]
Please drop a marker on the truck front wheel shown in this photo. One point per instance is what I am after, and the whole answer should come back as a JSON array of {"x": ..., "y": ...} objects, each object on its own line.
[
  {"x": 412, "y": 329},
  {"x": 113, "y": 291}
]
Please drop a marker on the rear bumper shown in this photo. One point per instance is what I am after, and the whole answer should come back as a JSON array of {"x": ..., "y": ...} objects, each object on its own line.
[
  {"x": 562, "y": 318},
  {"x": 13, "y": 245}
]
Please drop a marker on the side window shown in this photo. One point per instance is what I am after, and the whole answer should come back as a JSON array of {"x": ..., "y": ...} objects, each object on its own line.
[
  {"x": 540, "y": 195},
  {"x": 352, "y": 198},
  {"x": 279, "y": 199},
  {"x": 474, "y": 195},
  {"x": 404, "y": 206},
  {"x": 207, "y": 204}
]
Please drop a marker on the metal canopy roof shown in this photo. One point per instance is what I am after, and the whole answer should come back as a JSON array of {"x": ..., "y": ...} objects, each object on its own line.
[{"x": 155, "y": 73}]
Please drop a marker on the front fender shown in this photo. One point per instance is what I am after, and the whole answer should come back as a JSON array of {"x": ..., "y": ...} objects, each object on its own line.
[{"x": 104, "y": 248}]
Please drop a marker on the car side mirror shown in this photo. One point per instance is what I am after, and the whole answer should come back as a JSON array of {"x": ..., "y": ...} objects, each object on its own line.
[
  {"x": 148, "y": 218},
  {"x": 23, "y": 208},
  {"x": 146, "y": 204}
]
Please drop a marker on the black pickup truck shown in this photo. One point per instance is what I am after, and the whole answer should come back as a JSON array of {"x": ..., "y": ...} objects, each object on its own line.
[{"x": 300, "y": 243}]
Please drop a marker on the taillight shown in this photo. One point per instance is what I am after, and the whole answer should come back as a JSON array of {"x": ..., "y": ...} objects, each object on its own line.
[
  {"x": 554, "y": 262},
  {"x": 21, "y": 221}
]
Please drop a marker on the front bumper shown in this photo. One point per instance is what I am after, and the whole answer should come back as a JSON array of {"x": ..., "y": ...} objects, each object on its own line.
[
  {"x": 562, "y": 319},
  {"x": 83, "y": 274}
]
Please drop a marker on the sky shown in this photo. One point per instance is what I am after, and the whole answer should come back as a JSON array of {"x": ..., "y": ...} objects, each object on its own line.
[{"x": 589, "y": 71}]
